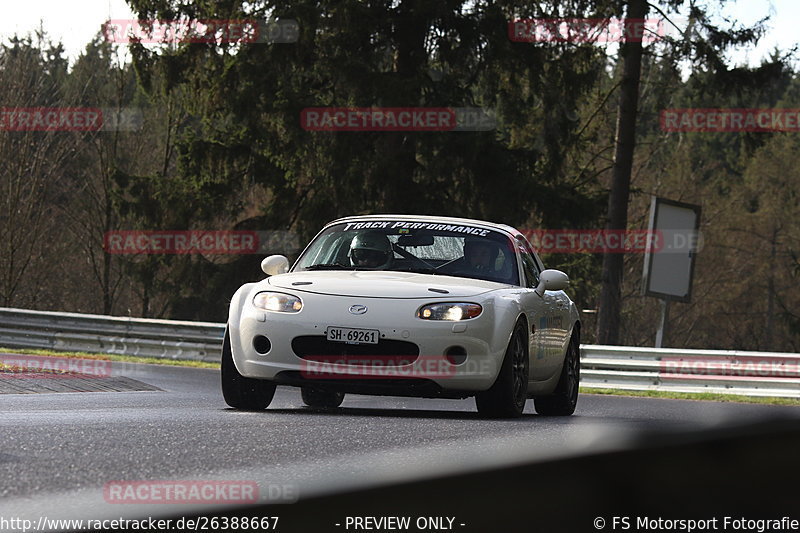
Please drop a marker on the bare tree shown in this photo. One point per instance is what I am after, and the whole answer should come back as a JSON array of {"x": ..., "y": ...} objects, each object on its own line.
[{"x": 32, "y": 164}]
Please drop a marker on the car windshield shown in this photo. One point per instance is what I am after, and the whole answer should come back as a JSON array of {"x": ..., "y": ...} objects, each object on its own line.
[{"x": 412, "y": 246}]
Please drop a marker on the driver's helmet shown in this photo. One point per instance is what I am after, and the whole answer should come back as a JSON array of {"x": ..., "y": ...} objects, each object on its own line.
[
  {"x": 480, "y": 254},
  {"x": 371, "y": 250}
]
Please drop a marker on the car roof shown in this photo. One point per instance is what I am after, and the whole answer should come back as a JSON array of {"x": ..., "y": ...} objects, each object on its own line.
[{"x": 429, "y": 218}]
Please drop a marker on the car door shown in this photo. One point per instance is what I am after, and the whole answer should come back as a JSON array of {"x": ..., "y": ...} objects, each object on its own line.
[
  {"x": 542, "y": 313},
  {"x": 560, "y": 323}
]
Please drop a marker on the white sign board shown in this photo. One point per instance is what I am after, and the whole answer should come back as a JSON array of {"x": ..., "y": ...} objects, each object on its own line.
[{"x": 669, "y": 265}]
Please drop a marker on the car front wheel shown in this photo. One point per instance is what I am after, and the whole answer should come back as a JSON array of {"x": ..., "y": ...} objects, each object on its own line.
[
  {"x": 506, "y": 398},
  {"x": 240, "y": 392},
  {"x": 563, "y": 401}
]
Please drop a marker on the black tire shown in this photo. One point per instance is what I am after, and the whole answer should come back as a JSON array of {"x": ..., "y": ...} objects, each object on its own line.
[
  {"x": 506, "y": 398},
  {"x": 563, "y": 401},
  {"x": 321, "y": 399},
  {"x": 243, "y": 393}
]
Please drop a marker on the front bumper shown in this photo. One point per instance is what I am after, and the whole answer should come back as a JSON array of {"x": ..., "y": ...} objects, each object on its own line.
[{"x": 409, "y": 360}]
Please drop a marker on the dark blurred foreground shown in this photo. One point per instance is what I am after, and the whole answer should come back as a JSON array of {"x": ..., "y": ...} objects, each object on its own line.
[{"x": 746, "y": 472}]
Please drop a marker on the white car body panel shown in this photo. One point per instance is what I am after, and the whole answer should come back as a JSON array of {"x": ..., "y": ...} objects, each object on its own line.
[
  {"x": 392, "y": 300},
  {"x": 380, "y": 284}
]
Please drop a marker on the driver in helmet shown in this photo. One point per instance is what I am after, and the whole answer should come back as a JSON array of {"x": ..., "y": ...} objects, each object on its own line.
[
  {"x": 480, "y": 255},
  {"x": 372, "y": 251}
]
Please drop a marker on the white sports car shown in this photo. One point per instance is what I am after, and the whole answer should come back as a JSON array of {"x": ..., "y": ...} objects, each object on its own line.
[{"x": 407, "y": 305}]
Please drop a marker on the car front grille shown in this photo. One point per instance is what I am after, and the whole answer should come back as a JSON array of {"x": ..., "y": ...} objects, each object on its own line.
[{"x": 387, "y": 352}]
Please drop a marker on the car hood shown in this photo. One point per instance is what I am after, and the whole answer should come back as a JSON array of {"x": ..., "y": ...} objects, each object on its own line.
[{"x": 382, "y": 284}]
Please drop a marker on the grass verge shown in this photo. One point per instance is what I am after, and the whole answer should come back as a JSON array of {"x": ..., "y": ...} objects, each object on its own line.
[
  {"x": 707, "y": 396},
  {"x": 113, "y": 357}
]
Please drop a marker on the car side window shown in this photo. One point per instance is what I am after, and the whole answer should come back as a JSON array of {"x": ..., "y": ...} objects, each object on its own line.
[{"x": 529, "y": 266}]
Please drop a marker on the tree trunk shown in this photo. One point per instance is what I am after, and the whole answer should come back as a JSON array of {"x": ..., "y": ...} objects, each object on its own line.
[
  {"x": 611, "y": 295},
  {"x": 400, "y": 193},
  {"x": 771, "y": 292}
]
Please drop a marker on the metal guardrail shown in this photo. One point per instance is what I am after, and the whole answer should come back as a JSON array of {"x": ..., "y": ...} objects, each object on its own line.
[
  {"x": 612, "y": 367},
  {"x": 72, "y": 332},
  {"x": 680, "y": 370}
]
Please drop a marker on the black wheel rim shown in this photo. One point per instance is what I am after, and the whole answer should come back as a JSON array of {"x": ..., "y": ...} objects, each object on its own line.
[
  {"x": 573, "y": 372},
  {"x": 519, "y": 366}
]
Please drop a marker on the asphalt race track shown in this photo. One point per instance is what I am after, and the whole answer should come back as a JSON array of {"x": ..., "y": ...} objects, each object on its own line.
[{"x": 59, "y": 450}]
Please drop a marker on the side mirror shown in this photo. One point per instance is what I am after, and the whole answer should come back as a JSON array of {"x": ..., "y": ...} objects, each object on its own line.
[
  {"x": 274, "y": 265},
  {"x": 552, "y": 280}
]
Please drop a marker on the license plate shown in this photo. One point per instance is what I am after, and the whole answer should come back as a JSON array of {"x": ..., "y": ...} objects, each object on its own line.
[{"x": 353, "y": 336}]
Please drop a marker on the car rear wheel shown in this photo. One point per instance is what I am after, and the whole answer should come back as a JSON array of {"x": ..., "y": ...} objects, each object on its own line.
[
  {"x": 506, "y": 398},
  {"x": 563, "y": 401},
  {"x": 320, "y": 398},
  {"x": 240, "y": 392}
]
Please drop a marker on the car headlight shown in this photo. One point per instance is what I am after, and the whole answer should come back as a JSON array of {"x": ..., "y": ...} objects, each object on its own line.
[
  {"x": 449, "y": 311},
  {"x": 278, "y": 301}
]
